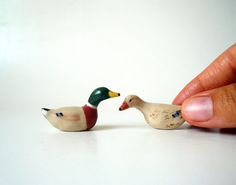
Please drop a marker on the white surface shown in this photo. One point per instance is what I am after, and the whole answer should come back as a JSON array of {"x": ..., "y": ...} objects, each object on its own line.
[
  {"x": 32, "y": 152},
  {"x": 54, "y": 53}
]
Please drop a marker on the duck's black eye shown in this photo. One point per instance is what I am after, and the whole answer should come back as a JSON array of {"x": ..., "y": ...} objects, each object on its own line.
[{"x": 130, "y": 100}]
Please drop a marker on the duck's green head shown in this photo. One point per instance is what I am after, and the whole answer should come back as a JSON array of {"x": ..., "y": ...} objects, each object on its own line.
[{"x": 100, "y": 94}]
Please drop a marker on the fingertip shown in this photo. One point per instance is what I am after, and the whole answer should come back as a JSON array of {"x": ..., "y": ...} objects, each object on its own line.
[
  {"x": 183, "y": 94},
  {"x": 233, "y": 46},
  {"x": 232, "y": 54},
  {"x": 198, "y": 111},
  {"x": 176, "y": 101},
  {"x": 212, "y": 109},
  {"x": 179, "y": 98}
]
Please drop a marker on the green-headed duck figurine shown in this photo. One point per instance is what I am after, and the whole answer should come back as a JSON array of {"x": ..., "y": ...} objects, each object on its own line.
[{"x": 79, "y": 118}]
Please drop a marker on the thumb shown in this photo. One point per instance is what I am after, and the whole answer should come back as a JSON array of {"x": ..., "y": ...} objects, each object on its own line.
[{"x": 212, "y": 109}]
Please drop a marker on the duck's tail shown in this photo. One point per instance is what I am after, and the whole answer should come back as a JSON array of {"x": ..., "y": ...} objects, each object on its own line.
[{"x": 45, "y": 111}]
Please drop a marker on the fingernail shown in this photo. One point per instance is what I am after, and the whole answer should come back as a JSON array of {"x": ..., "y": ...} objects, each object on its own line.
[{"x": 198, "y": 109}]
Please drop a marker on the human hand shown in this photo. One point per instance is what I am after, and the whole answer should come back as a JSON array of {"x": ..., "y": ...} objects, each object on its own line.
[{"x": 209, "y": 100}]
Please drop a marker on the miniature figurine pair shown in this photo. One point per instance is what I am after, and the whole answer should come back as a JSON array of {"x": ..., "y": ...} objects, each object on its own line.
[{"x": 161, "y": 116}]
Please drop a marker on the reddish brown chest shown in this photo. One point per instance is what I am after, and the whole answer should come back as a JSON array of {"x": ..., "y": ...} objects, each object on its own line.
[{"x": 91, "y": 116}]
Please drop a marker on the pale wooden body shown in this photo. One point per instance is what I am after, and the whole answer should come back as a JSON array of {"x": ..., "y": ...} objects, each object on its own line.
[
  {"x": 160, "y": 115},
  {"x": 73, "y": 119}
]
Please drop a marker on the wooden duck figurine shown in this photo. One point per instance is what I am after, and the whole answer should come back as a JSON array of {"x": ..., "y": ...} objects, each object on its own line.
[
  {"x": 79, "y": 118},
  {"x": 161, "y": 116}
]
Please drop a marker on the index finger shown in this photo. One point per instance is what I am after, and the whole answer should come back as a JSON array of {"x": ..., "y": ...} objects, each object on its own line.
[{"x": 219, "y": 73}]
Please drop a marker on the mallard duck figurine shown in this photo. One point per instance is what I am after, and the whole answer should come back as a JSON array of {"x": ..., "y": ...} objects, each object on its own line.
[
  {"x": 161, "y": 116},
  {"x": 79, "y": 118}
]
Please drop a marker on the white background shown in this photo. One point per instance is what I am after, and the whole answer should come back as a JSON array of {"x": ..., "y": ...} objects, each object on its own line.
[{"x": 53, "y": 53}]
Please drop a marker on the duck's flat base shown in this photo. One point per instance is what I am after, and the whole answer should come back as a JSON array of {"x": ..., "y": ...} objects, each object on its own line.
[{"x": 112, "y": 153}]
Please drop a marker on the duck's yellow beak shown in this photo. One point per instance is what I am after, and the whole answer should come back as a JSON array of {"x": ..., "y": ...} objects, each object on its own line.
[{"x": 113, "y": 94}]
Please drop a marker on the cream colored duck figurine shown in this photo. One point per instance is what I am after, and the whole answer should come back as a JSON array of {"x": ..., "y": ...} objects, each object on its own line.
[
  {"x": 79, "y": 118},
  {"x": 161, "y": 116}
]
